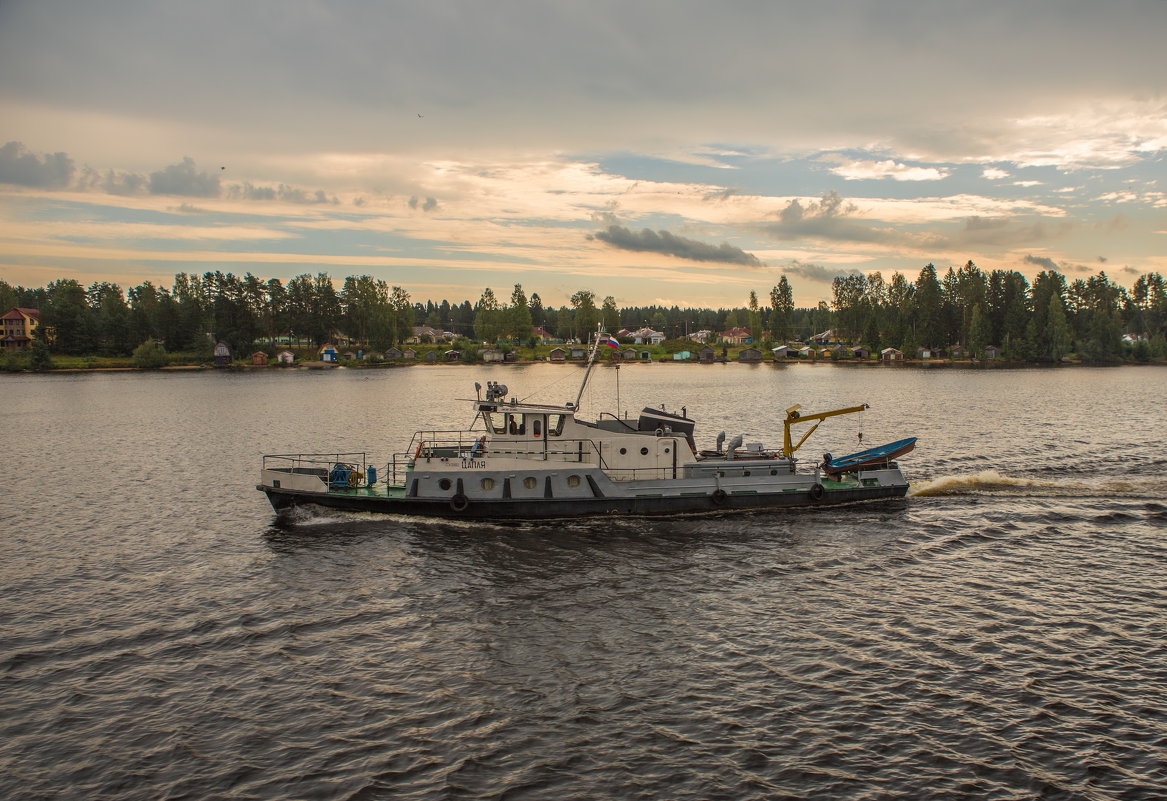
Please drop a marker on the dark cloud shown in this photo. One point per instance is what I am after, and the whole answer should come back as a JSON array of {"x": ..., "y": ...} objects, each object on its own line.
[
  {"x": 816, "y": 272},
  {"x": 832, "y": 217},
  {"x": 1043, "y": 262},
  {"x": 282, "y": 193},
  {"x": 724, "y": 194},
  {"x": 19, "y": 166},
  {"x": 427, "y": 205},
  {"x": 184, "y": 179},
  {"x": 672, "y": 245}
]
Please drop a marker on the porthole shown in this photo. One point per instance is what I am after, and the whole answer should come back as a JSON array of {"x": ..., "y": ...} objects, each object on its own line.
[
  {"x": 573, "y": 481},
  {"x": 445, "y": 484},
  {"x": 623, "y": 451},
  {"x": 773, "y": 472},
  {"x": 745, "y": 472},
  {"x": 644, "y": 451},
  {"x": 666, "y": 450},
  {"x": 529, "y": 482},
  {"x": 488, "y": 483}
]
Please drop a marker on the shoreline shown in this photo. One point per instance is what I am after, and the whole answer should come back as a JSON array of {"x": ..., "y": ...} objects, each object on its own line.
[{"x": 939, "y": 364}]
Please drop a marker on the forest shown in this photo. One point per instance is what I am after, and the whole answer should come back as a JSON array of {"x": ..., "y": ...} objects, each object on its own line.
[{"x": 1090, "y": 319}]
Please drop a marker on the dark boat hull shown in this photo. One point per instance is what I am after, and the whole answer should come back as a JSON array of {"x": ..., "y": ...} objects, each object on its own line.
[{"x": 540, "y": 509}]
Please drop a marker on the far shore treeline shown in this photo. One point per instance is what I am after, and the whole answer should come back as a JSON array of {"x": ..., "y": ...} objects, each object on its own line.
[{"x": 1091, "y": 319}]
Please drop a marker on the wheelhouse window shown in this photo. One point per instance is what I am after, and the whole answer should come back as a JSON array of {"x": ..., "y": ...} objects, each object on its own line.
[
  {"x": 537, "y": 427},
  {"x": 496, "y": 421},
  {"x": 554, "y": 425},
  {"x": 517, "y": 424}
]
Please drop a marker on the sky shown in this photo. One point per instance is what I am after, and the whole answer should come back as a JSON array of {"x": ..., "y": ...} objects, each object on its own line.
[{"x": 661, "y": 152}]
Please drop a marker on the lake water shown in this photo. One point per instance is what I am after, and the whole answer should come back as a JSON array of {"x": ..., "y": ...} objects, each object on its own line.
[{"x": 1000, "y": 633}]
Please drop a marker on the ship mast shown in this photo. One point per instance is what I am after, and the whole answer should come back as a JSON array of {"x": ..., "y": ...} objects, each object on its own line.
[{"x": 591, "y": 361}]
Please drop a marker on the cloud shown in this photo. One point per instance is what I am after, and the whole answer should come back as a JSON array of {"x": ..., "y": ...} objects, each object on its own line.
[
  {"x": 875, "y": 170},
  {"x": 994, "y": 174},
  {"x": 427, "y": 205},
  {"x": 832, "y": 217},
  {"x": 184, "y": 179},
  {"x": 1044, "y": 262},
  {"x": 283, "y": 193},
  {"x": 815, "y": 272},
  {"x": 672, "y": 245},
  {"x": 19, "y": 166}
]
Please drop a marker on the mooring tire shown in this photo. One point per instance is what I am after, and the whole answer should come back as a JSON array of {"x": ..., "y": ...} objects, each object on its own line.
[
  {"x": 459, "y": 502},
  {"x": 718, "y": 497},
  {"x": 816, "y": 492}
]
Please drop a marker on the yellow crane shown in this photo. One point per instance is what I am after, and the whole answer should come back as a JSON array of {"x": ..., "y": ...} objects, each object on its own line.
[{"x": 794, "y": 416}]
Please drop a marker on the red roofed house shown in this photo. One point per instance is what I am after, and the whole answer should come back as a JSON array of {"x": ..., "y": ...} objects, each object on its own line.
[
  {"x": 737, "y": 336},
  {"x": 16, "y": 327}
]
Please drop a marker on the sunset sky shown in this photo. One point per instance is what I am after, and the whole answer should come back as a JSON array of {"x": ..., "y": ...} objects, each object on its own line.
[{"x": 661, "y": 152}]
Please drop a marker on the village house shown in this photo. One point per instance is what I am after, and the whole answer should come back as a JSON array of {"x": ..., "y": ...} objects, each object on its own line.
[
  {"x": 891, "y": 355},
  {"x": 17, "y": 327},
  {"x": 537, "y": 332},
  {"x": 646, "y": 336},
  {"x": 827, "y": 337},
  {"x": 737, "y": 336},
  {"x": 701, "y": 336}
]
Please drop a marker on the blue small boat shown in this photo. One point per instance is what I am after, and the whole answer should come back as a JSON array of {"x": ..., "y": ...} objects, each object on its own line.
[{"x": 879, "y": 455}]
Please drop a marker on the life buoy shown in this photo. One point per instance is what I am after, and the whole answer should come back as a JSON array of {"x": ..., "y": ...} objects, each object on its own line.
[
  {"x": 718, "y": 497},
  {"x": 816, "y": 492},
  {"x": 459, "y": 502}
]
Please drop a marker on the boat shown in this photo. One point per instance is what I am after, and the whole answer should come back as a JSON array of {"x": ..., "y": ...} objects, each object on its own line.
[
  {"x": 872, "y": 457},
  {"x": 529, "y": 461}
]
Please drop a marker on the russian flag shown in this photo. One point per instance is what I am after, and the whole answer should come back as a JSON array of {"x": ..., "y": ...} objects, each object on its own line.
[{"x": 611, "y": 342}]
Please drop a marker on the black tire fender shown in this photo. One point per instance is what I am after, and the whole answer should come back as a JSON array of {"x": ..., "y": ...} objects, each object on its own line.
[
  {"x": 459, "y": 502},
  {"x": 816, "y": 492},
  {"x": 718, "y": 497}
]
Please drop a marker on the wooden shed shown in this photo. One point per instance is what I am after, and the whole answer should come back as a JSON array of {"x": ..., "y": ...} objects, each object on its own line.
[
  {"x": 259, "y": 359},
  {"x": 891, "y": 355},
  {"x": 557, "y": 355},
  {"x": 749, "y": 355},
  {"x": 222, "y": 354}
]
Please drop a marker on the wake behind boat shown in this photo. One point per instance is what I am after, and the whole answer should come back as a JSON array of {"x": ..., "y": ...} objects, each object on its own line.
[{"x": 522, "y": 460}]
